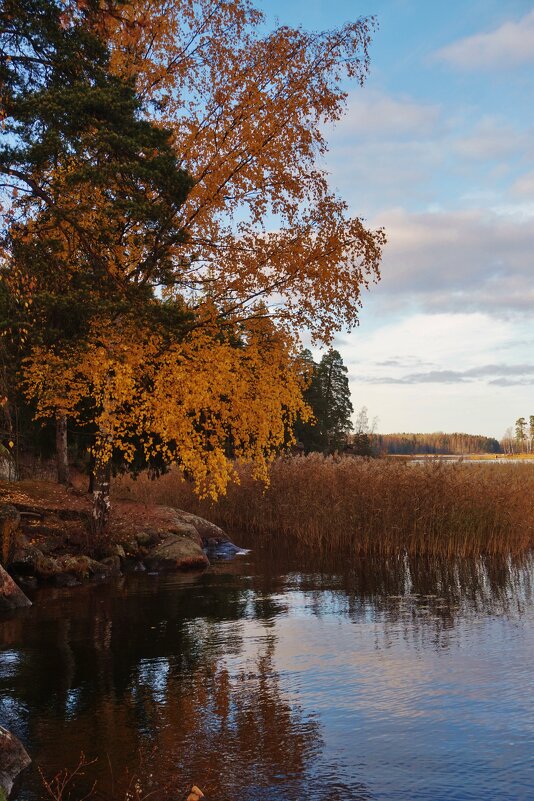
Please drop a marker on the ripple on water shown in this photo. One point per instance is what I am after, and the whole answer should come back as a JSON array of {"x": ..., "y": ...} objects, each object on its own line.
[{"x": 265, "y": 684}]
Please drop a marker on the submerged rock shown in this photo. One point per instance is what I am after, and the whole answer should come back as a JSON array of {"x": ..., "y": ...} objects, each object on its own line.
[
  {"x": 13, "y": 760},
  {"x": 176, "y": 553},
  {"x": 224, "y": 551},
  {"x": 11, "y": 596}
]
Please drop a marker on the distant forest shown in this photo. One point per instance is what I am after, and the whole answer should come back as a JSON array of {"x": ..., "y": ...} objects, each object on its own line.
[{"x": 438, "y": 443}]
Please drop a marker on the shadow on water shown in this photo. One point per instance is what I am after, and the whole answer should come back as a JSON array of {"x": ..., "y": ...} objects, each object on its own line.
[{"x": 247, "y": 679}]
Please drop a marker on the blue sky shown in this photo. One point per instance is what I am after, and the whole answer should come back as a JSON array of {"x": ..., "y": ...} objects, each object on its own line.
[{"x": 438, "y": 148}]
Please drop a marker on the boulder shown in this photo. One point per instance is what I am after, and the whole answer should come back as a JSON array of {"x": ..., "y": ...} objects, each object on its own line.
[
  {"x": 221, "y": 551},
  {"x": 113, "y": 564},
  {"x": 9, "y": 523},
  {"x": 13, "y": 760},
  {"x": 176, "y": 553},
  {"x": 49, "y": 567},
  {"x": 130, "y": 548},
  {"x": 25, "y": 560},
  {"x": 111, "y": 549},
  {"x": 146, "y": 538},
  {"x": 8, "y": 468},
  {"x": 11, "y": 596},
  {"x": 64, "y": 570},
  {"x": 171, "y": 521},
  {"x": 205, "y": 529}
]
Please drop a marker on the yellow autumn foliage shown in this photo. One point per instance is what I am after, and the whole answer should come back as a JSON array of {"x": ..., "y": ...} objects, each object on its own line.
[
  {"x": 248, "y": 111},
  {"x": 185, "y": 401},
  {"x": 268, "y": 248}
]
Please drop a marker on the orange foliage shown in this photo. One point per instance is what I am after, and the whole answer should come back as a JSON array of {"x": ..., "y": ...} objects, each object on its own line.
[
  {"x": 247, "y": 111},
  {"x": 186, "y": 401},
  {"x": 267, "y": 248}
]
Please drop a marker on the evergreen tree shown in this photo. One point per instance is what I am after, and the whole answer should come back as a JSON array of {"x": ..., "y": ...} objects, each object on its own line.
[
  {"x": 521, "y": 432},
  {"x": 94, "y": 190},
  {"x": 328, "y": 395}
]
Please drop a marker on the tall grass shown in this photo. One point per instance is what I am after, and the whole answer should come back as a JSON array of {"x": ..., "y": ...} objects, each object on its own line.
[{"x": 348, "y": 505}]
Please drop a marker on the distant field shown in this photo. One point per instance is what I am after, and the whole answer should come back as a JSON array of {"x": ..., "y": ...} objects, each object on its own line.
[{"x": 468, "y": 457}]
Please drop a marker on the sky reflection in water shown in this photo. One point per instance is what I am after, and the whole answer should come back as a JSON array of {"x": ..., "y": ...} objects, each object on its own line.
[{"x": 261, "y": 682}]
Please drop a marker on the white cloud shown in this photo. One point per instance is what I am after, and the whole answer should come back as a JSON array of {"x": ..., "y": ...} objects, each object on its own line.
[
  {"x": 448, "y": 372},
  {"x": 493, "y": 138},
  {"x": 392, "y": 151},
  {"x": 436, "y": 340},
  {"x": 510, "y": 45},
  {"x": 373, "y": 115},
  {"x": 524, "y": 186},
  {"x": 461, "y": 260}
]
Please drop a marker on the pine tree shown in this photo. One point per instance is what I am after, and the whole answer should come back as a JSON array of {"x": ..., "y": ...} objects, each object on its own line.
[
  {"x": 521, "y": 432},
  {"x": 328, "y": 395},
  {"x": 160, "y": 289}
]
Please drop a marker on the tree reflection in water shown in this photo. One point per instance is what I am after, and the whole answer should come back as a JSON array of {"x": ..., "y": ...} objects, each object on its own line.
[{"x": 185, "y": 668}]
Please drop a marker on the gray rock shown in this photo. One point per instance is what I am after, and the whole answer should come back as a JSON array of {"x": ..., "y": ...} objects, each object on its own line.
[
  {"x": 145, "y": 538},
  {"x": 113, "y": 563},
  {"x": 176, "y": 553},
  {"x": 25, "y": 560},
  {"x": 13, "y": 760},
  {"x": 11, "y": 596},
  {"x": 223, "y": 551},
  {"x": 206, "y": 530},
  {"x": 8, "y": 468}
]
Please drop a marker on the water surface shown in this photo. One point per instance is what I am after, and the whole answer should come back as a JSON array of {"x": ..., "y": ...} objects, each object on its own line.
[{"x": 266, "y": 680}]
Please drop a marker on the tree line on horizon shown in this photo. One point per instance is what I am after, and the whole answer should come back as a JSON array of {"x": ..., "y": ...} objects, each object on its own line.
[
  {"x": 438, "y": 443},
  {"x": 519, "y": 438}
]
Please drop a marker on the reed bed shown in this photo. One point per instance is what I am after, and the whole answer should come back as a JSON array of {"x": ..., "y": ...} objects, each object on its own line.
[{"x": 381, "y": 507}]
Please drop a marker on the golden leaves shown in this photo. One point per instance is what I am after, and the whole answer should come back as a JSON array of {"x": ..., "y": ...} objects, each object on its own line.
[
  {"x": 248, "y": 112},
  {"x": 195, "y": 403}
]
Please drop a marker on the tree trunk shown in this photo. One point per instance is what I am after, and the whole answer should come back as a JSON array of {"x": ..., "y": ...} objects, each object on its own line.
[
  {"x": 101, "y": 497},
  {"x": 91, "y": 473},
  {"x": 62, "y": 456}
]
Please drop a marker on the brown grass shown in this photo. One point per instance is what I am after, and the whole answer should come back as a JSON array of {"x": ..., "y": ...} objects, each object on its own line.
[{"x": 348, "y": 505}]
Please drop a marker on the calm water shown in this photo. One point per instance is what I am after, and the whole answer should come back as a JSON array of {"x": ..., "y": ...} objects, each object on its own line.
[{"x": 262, "y": 682}]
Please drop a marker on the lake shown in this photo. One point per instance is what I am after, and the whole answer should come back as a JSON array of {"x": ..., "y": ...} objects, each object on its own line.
[{"x": 269, "y": 679}]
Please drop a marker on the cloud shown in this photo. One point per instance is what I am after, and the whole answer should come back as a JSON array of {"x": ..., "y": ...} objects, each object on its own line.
[
  {"x": 511, "y": 382},
  {"x": 524, "y": 186},
  {"x": 392, "y": 150},
  {"x": 521, "y": 375},
  {"x": 432, "y": 377},
  {"x": 493, "y": 139},
  {"x": 374, "y": 115},
  {"x": 457, "y": 260},
  {"x": 510, "y": 45},
  {"x": 405, "y": 362},
  {"x": 423, "y": 343}
]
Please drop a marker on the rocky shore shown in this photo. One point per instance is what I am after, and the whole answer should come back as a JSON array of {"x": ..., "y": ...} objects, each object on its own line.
[
  {"x": 13, "y": 760},
  {"x": 45, "y": 537}
]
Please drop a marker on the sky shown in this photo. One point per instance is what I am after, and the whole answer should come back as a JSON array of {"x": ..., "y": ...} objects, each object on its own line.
[{"x": 438, "y": 149}]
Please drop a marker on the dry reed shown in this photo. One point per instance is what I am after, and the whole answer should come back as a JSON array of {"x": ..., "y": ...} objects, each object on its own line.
[{"x": 349, "y": 505}]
